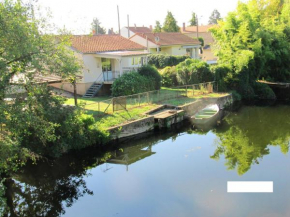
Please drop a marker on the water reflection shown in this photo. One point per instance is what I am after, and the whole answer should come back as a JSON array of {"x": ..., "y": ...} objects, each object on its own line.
[
  {"x": 48, "y": 188},
  {"x": 244, "y": 137}
]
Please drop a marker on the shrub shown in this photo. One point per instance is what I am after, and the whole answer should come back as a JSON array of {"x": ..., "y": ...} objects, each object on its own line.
[
  {"x": 161, "y": 61},
  {"x": 263, "y": 91},
  {"x": 152, "y": 73},
  {"x": 220, "y": 73},
  {"x": 200, "y": 72},
  {"x": 132, "y": 83},
  {"x": 236, "y": 96},
  {"x": 168, "y": 75},
  {"x": 48, "y": 128},
  {"x": 193, "y": 71}
]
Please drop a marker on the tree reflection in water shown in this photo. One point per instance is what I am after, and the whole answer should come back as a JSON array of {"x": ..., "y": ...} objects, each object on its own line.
[
  {"x": 245, "y": 137},
  {"x": 44, "y": 189}
]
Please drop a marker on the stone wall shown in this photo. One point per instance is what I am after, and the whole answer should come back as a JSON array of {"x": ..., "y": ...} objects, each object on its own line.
[{"x": 132, "y": 128}]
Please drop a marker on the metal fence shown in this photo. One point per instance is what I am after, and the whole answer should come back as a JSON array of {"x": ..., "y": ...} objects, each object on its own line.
[{"x": 151, "y": 97}]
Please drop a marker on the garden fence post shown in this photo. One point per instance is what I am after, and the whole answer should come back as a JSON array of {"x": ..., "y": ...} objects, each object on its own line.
[
  {"x": 147, "y": 97},
  {"x": 139, "y": 99}
]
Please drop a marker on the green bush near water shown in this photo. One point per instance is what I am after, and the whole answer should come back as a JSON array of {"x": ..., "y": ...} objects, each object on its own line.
[
  {"x": 168, "y": 75},
  {"x": 193, "y": 71}
]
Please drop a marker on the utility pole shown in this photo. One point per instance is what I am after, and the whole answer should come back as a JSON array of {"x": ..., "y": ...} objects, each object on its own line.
[
  {"x": 196, "y": 26},
  {"x": 128, "y": 26},
  {"x": 118, "y": 19}
]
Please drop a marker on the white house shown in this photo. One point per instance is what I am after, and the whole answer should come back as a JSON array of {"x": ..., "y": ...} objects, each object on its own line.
[
  {"x": 104, "y": 58},
  {"x": 171, "y": 43},
  {"x": 127, "y": 32}
]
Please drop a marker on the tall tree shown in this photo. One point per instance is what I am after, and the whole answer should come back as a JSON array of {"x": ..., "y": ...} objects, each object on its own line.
[
  {"x": 214, "y": 17},
  {"x": 170, "y": 24},
  {"x": 157, "y": 27},
  {"x": 193, "y": 21},
  {"x": 254, "y": 42},
  {"x": 96, "y": 27},
  {"x": 38, "y": 122}
]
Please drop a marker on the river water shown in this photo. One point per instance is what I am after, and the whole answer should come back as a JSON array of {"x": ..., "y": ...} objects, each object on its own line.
[{"x": 181, "y": 172}]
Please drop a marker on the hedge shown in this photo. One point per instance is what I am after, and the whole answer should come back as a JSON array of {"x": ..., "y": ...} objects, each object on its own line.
[{"x": 160, "y": 61}]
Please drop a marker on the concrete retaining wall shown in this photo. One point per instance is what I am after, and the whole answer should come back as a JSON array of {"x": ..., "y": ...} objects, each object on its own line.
[
  {"x": 192, "y": 108},
  {"x": 132, "y": 128},
  {"x": 148, "y": 123}
]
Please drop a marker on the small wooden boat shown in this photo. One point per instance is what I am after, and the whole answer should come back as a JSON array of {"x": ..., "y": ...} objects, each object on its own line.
[{"x": 206, "y": 116}]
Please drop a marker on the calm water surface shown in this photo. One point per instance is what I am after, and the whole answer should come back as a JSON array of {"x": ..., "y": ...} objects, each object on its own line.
[{"x": 178, "y": 173}]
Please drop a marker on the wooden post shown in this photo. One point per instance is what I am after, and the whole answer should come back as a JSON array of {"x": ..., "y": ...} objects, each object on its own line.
[
  {"x": 75, "y": 92},
  {"x": 186, "y": 90},
  {"x": 99, "y": 106},
  {"x": 139, "y": 99},
  {"x": 147, "y": 97},
  {"x": 192, "y": 90}
]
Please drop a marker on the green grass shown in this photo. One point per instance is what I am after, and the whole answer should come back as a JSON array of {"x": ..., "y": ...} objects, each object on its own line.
[
  {"x": 122, "y": 117},
  {"x": 102, "y": 109}
]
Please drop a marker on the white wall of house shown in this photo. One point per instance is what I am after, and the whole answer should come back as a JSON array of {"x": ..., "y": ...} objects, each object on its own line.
[
  {"x": 142, "y": 41},
  {"x": 177, "y": 50},
  {"x": 124, "y": 32},
  {"x": 92, "y": 68}
]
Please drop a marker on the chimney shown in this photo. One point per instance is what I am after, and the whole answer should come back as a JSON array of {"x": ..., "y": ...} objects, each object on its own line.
[
  {"x": 135, "y": 26},
  {"x": 183, "y": 28},
  {"x": 151, "y": 28}
]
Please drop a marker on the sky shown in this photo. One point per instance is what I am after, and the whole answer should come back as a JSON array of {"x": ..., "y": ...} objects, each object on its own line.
[{"x": 77, "y": 16}]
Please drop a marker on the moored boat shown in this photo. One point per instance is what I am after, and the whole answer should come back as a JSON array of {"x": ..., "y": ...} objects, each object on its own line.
[{"x": 206, "y": 116}]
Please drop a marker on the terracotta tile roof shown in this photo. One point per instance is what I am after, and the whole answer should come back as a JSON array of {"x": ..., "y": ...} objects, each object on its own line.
[
  {"x": 126, "y": 53},
  {"x": 102, "y": 43},
  {"x": 189, "y": 29},
  {"x": 140, "y": 29},
  {"x": 169, "y": 38}
]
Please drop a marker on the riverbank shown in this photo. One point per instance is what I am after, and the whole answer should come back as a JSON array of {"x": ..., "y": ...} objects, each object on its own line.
[{"x": 150, "y": 122}]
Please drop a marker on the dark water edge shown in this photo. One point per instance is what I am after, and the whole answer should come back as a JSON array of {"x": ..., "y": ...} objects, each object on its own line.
[{"x": 53, "y": 185}]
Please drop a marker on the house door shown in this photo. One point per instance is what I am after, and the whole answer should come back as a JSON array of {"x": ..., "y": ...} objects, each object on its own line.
[{"x": 107, "y": 69}]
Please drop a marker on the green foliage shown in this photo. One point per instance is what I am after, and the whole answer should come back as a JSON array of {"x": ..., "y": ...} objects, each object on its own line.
[
  {"x": 25, "y": 51},
  {"x": 192, "y": 21},
  {"x": 214, "y": 17},
  {"x": 41, "y": 124},
  {"x": 132, "y": 83},
  {"x": 220, "y": 73},
  {"x": 236, "y": 96},
  {"x": 170, "y": 24},
  {"x": 2, "y": 199},
  {"x": 160, "y": 61},
  {"x": 253, "y": 42},
  {"x": 201, "y": 41},
  {"x": 263, "y": 91},
  {"x": 193, "y": 71},
  {"x": 97, "y": 28},
  {"x": 151, "y": 73},
  {"x": 37, "y": 124},
  {"x": 12, "y": 155},
  {"x": 168, "y": 75},
  {"x": 157, "y": 27}
]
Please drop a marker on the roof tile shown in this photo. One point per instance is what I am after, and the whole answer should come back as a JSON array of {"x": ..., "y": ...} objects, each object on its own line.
[
  {"x": 169, "y": 38},
  {"x": 102, "y": 43}
]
